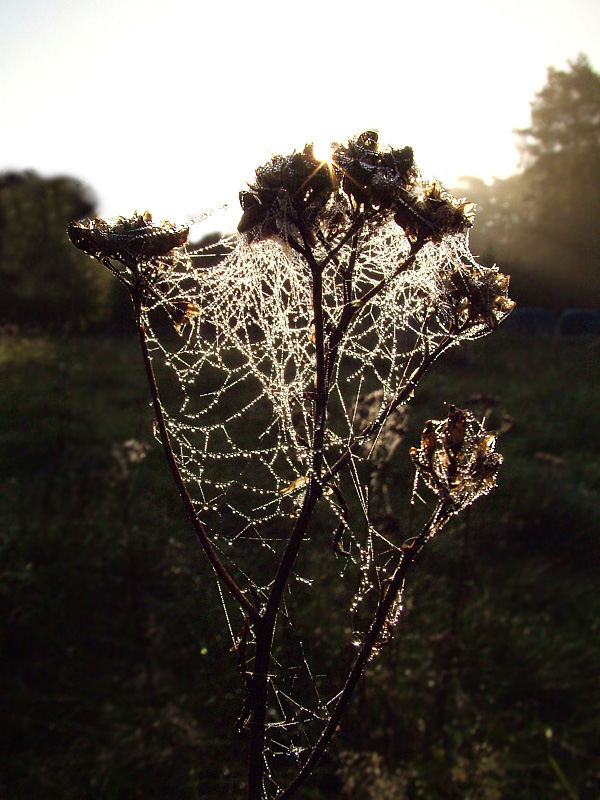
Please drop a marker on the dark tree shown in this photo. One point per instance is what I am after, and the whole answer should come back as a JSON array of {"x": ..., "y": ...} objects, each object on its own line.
[
  {"x": 43, "y": 282},
  {"x": 565, "y": 118}
]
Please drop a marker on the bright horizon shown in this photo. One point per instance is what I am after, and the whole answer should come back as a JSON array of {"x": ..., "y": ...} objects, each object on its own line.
[{"x": 172, "y": 108}]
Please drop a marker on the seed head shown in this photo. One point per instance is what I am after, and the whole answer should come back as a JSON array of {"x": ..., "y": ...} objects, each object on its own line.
[
  {"x": 288, "y": 197},
  {"x": 457, "y": 459},
  {"x": 297, "y": 193},
  {"x": 478, "y": 298},
  {"x": 130, "y": 240}
]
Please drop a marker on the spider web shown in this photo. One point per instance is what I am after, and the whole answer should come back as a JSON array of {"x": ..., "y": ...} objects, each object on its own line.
[
  {"x": 240, "y": 415},
  {"x": 245, "y": 367}
]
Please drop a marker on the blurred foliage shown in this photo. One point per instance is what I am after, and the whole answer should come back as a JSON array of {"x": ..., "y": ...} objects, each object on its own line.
[
  {"x": 541, "y": 224},
  {"x": 118, "y": 679},
  {"x": 45, "y": 283}
]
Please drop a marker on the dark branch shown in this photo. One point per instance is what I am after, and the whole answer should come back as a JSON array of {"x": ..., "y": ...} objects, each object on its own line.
[
  {"x": 222, "y": 573},
  {"x": 407, "y": 559}
]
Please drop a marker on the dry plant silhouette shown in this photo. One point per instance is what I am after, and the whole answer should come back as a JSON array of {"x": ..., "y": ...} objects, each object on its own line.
[{"x": 288, "y": 361}]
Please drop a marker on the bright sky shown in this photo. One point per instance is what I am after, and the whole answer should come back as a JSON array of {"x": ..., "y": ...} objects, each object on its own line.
[{"x": 170, "y": 106}]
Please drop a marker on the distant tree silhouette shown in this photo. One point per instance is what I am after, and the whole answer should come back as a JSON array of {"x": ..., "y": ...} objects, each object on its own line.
[
  {"x": 43, "y": 283},
  {"x": 565, "y": 118},
  {"x": 543, "y": 221}
]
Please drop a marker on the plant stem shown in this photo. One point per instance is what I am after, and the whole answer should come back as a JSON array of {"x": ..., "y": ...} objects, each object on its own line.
[
  {"x": 435, "y": 522},
  {"x": 325, "y": 357},
  {"x": 354, "y": 228},
  {"x": 265, "y": 628},
  {"x": 222, "y": 573},
  {"x": 400, "y": 398}
]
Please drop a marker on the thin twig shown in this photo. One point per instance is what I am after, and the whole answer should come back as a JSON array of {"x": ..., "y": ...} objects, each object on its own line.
[
  {"x": 354, "y": 227},
  {"x": 222, "y": 573},
  {"x": 435, "y": 522},
  {"x": 352, "y": 309},
  {"x": 400, "y": 398},
  {"x": 265, "y": 627}
]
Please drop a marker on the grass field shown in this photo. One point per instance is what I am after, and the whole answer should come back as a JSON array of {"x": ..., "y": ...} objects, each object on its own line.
[{"x": 117, "y": 677}]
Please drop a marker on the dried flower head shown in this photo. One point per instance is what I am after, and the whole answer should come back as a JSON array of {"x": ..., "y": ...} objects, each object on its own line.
[
  {"x": 456, "y": 459},
  {"x": 129, "y": 240},
  {"x": 299, "y": 194},
  {"x": 436, "y": 214},
  {"x": 146, "y": 253},
  {"x": 381, "y": 180},
  {"x": 289, "y": 195},
  {"x": 478, "y": 297}
]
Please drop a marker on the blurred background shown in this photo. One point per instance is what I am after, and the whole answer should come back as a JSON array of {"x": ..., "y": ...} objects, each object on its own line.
[{"x": 117, "y": 679}]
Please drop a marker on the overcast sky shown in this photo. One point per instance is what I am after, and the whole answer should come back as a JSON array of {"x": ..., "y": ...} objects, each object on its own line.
[{"x": 171, "y": 106}]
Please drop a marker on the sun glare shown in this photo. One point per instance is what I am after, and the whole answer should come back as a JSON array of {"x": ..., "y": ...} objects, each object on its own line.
[{"x": 323, "y": 150}]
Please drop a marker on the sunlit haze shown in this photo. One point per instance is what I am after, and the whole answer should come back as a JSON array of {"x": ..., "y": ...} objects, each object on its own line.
[{"x": 171, "y": 106}]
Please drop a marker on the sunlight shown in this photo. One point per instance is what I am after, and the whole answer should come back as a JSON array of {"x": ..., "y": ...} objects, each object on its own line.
[{"x": 323, "y": 150}]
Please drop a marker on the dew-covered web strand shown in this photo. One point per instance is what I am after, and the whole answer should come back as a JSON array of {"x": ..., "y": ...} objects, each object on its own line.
[
  {"x": 231, "y": 289},
  {"x": 244, "y": 369}
]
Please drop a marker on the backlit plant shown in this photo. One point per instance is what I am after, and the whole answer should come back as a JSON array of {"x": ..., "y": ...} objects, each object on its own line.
[{"x": 293, "y": 355}]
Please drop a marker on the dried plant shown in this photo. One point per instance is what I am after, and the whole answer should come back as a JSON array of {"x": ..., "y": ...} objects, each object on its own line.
[{"x": 295, "y": 356}]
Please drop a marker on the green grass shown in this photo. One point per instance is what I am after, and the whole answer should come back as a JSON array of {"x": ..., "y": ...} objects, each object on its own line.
[
  {"x": 118, "y": 680},
  {"x": 500, "y": 639}
]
